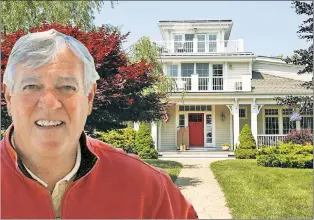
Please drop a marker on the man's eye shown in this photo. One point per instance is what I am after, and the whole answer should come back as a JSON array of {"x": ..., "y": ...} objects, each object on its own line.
[
  {"x": 69, "y": 88},
  {"x": 30, "y": 87}
]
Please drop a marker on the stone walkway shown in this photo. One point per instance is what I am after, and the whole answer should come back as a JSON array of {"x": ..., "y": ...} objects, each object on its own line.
[{"x": 198, "y": 184}]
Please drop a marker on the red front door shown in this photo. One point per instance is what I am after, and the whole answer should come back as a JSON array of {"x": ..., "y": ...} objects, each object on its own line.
[{"x": 196, "y": 130}]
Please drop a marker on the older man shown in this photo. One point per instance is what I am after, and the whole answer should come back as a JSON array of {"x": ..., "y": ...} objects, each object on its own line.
[{"x": 50, "y": 168}]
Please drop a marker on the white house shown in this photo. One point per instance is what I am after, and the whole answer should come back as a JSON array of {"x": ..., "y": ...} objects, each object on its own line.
[{"x": 219, "y": 87}]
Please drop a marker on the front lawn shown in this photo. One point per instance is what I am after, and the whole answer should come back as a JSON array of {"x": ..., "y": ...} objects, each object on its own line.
[
  {"x": 171, "y": 167},
  {"x": 252, "y": 191}
]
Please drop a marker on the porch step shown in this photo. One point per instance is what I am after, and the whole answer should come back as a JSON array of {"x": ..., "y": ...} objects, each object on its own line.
[{"x": 195, "y": 154}]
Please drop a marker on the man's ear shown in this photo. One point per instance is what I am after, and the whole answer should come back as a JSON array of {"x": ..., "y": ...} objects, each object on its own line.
[
  {"x": 91, "y": 97},
  {"x": 7, "y": 97}
]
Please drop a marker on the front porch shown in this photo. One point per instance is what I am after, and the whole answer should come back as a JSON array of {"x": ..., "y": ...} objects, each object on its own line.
[{"x": 205, "y": 128}]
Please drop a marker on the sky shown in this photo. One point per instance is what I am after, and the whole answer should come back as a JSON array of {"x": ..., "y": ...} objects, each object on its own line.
[{"x": 268, "y": 28}]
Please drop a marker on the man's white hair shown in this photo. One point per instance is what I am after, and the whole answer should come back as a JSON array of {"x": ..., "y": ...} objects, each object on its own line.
[{"x": 37, "y": 49}]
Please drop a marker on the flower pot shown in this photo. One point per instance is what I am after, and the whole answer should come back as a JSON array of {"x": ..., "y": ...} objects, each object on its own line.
[{"x": 225, "y": 148}]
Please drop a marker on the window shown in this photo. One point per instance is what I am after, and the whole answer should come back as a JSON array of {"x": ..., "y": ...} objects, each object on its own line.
[
  {"x": 188, "y": 44},
  {"x": 271, "y": 121},
  {"x": 307, "y": 120},
  {"x": 172, "y": 70},
  {"x": 212, "y": 43},
  {"x": 202, "y": 69},
  {"x": 181, "y": 121},
  {"x": 242, "y": 112},
  {"x": 178, "y": 42},
  {"x": 286, "y": 123},
  {"x": 201, "y": 42},
  {"x": 195, "y": 108},
  {"x": 217, "y": 77},
  {"x": 195, "y": 117},
  {"x": 187, "y": 69}
]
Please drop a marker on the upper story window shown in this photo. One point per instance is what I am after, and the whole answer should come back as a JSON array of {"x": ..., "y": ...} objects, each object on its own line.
[
  {"x": 202, "y": 69},
  {"x": 217, "y": 70},
  {"x": 212, "y": 43},
  {"x": 187, "y": 69},
  {"x": 172, "y": 70}
]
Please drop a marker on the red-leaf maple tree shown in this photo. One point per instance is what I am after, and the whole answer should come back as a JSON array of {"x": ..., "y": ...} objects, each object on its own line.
[{"x": 119, "y": 96}]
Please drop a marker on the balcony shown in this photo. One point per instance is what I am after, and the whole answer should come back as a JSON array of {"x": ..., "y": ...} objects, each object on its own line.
[
  {"x": 210, "y": 84},
  {"x": 199, "y": 47}
]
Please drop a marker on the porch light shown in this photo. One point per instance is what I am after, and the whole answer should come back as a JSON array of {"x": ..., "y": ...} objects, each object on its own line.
[{"x": 222, "y": 116}]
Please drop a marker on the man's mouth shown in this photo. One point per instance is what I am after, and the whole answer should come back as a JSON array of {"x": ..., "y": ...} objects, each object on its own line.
[{"x": 46, "y": 123}]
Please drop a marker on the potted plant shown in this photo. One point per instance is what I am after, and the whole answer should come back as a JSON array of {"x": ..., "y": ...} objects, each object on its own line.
[{"x": 226, "y": 146}]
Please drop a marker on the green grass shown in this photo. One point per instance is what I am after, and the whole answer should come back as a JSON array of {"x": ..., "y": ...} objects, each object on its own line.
[
  {"x": 252, "y": 191},
  {"x": 171, "y": 167}
]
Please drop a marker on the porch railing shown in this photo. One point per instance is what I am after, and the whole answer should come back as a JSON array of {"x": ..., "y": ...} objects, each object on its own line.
[
  {"x": 208, "y": 84},
  {"x": 269, "y": 139},
  {"x": 197, "y": 46}
]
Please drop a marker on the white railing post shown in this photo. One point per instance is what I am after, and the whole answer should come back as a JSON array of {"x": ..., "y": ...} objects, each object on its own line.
[
  {"x": 236, "y": 123},
  {"x": 254, "y": 112},
  {"x": 194, "y": 45},
  {"x": 194, "y": 83},
  {"x": 240, "y": 45}
]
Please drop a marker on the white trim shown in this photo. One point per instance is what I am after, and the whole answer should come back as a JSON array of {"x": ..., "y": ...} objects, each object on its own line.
[
  {"x": 176, "y": 124},
  {"x": 214, "y": 125},
  {"x": 231, "y": 125},
  {"x": 159, "y": 137}
]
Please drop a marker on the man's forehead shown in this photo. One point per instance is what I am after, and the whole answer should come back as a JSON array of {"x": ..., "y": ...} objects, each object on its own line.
[{"x": 58, "y": 77}]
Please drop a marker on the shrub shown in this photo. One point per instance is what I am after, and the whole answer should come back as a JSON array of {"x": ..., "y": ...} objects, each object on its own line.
[
  {"x": 144, "y": 144},
  {"x": 267, "y": 150},
  {"x": 286, "y": 160},
  {"x": 303, "y": 137},
  {"x": 286, "y": 155},
  {"x": 246, "y": 138},
  {"x": 121, "y": 138},
  {"x": 148, "y": 153},
  {"x": 245, "y": 153}
]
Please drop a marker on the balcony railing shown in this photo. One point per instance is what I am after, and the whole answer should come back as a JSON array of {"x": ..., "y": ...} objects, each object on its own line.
[
  {"x": 207, "y": 84},
  {"x": 269, "y": 139},
  {"x": 195, "y": 46}
]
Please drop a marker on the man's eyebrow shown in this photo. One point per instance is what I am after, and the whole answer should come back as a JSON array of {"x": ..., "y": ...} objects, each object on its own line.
[
  {"x": 30, "y": 79},
  {"x": 69, "y": 79}
]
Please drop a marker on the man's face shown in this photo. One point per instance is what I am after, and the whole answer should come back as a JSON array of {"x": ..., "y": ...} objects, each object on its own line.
[{"x": 48, "y": 105}]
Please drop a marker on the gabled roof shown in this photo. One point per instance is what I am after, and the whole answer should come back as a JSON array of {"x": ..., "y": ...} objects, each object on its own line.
[{"x": 268, "y": 84}]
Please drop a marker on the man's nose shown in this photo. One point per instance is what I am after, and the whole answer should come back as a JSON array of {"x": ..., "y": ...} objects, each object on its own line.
[{"x": 49, "y": 100}]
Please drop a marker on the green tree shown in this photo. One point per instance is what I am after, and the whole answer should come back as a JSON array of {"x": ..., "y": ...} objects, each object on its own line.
[
  {"x": 22, "y": 15},
  {"x": 146, "y": 50},
  {"x": 302, "y": 57},
  {"x": 144, "y": 144},
  {"x": 246, "y": 138}
]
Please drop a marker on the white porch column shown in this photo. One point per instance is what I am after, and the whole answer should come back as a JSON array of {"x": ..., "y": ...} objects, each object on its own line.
[
  {"x": 195, "y": 45},
  {"x": 154, "y": 132},
  {"x": 136, "y": 126},
  {"x": 298, "y": 125},
  {"x": 194, "y": 82},
  {"x": 254, "y": 113},
  {"x": 236, "y": 123}
]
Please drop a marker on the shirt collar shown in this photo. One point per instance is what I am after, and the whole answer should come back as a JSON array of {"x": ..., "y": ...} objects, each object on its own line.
[{"x": 68, "y": 177}]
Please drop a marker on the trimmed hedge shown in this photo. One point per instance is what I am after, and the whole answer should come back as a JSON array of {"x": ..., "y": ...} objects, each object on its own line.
[
  {"x": 120, "y": 138},
  {"x": 286, "y": 155},
  {"x": 245, "y": 153},
  {"x": 144, "y": 144},
  {"x": 247, "y": 147}
]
